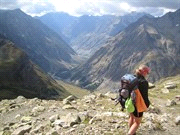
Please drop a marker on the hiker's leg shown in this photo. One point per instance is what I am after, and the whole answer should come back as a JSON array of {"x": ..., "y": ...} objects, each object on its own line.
[
  {"x": 135, "y": 125},
  {"x": 131, "y": 120}
]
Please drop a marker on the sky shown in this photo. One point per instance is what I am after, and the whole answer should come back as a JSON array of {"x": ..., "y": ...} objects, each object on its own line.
[{"x": 92, "y": 7}]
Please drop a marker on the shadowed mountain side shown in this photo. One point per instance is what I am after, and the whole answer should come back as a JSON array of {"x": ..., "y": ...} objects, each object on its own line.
[
  {"x": 19, "y": 76},
  {"x": 151, "y": 41},
  {"x": 43, "y": 46}
]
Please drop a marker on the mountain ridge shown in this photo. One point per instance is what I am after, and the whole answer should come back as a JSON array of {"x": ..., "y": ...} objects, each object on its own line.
[
  {"x": 142, "y": 42},
  {"x": 20, "y": 76},
  {"x": 44, "y": 46}
]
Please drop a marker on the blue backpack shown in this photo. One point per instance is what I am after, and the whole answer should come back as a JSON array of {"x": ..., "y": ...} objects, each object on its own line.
[{"x": 129, "y": 83}]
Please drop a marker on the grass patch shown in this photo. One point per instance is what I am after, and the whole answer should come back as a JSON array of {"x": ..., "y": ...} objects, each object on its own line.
[
  {"x": 160, "y": 99},
  {"x": 86, "y": 121},
  {"x": 157, "y": 91},
  {"x": 74, "y": 90}
]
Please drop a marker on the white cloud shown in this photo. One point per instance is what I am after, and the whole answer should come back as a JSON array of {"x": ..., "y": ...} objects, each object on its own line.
[{"x": 92, "y": 7}]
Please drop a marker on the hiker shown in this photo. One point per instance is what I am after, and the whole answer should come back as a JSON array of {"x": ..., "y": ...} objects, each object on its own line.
[{"x": 136, "y": 117}]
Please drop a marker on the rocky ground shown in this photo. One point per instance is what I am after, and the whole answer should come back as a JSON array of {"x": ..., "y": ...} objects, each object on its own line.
[{"x": 93, "y": 114}]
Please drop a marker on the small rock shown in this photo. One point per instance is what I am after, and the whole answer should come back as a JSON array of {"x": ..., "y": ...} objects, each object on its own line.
[
  {"x": 107, "y": 114},
  {"x": 153, "y": 109},
  {"x": 66, "y": 102},
  {"x": 94, "y": 119},
  {"x": 170, "y": 85},
  {"x": 12, "y": 123},
  {"x": 60, "y": 123},
  {"x": 1, "y": 132},
  {"x": 171, "y": 103},
  {"x": 39, "y": 128},
  {"x": 89, "y": 97},
  {"x": 177, "y": 97},
  {"x": 17, "y": 116},
  {"x": 38, "y": 109},
  {"x": 53, "y": 107},
  {"x": 6, "y": 128},
  {"x": 53, "y": 132},
  {"x": 70, "y": 98},
  {"x": 25, "y": 119},
  {"x": 177, "y": 120},
  {"x": 165, "y": 90},
  {"x": 20, "y": 99},
  {"x": 3, "y": 110},
  {"x": 151, "y": 85},
  {"x": 6, "y": 132},
  {"x": 72, "y": 130},
  {"x": 54, "y": 117},
  {"x": 68, "y": 107},
  {"x": 22, "y": 130},
  {"x": 100, "y": 95}
]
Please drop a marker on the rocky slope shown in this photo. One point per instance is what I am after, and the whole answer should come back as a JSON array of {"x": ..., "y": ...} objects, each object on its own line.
[
  {"x": 44, "y": 46},
  {"x": 95, "y": 113},
  {"x": 20, "y": 76},
  {"x": 86, "y": 34},
  {"x": 151, "y": 41}
]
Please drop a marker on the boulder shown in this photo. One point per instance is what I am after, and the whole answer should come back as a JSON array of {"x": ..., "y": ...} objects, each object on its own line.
[{"x": 71, "y": 119}]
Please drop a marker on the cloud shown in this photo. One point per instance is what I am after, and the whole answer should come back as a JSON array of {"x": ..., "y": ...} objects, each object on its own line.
[
  {"x": 100, "y": 8},
  {"x": 32, "y": 7},
  {"x": 154, "y": 7},
  {"x": 171, "y": 4},
  {"x": 10, "y": 4},
  {"x": 92, "y": 7},
  {"x": 36, "y": 7}
]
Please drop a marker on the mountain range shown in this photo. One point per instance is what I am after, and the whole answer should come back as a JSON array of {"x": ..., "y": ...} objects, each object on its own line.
[
  {"x": 86, "y": 34},
  {"x": 151, "y": 41},
  {"x": 44, "y": 46},
  {"x": 121, "y": 47}
]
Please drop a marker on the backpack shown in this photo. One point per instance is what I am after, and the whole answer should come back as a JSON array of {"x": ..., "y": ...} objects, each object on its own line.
[{"x": 129, "y": 83}]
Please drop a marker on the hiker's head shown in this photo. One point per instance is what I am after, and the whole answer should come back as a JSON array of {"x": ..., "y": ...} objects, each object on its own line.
[{"x": 143, "y": 70}]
